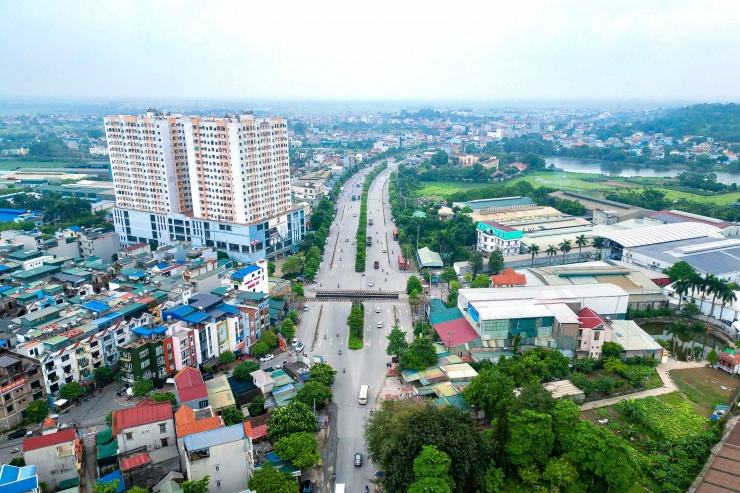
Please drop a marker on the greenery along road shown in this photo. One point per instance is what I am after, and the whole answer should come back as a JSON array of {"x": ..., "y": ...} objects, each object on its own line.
[{"x": 360, "y": 237}]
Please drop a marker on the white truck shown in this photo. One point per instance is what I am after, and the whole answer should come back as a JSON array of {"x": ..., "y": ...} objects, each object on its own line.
[{"x": 339, "y": 488}]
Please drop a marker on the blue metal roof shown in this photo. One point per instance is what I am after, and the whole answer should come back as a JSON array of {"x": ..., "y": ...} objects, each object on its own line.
[
  {"x": 178, "y": 311},
  {"x": 211, "y": 438},
  {"x": 112, "y": 477},
  {"x": 196, "y": 317},
  {"x": 106, "y": 319},
  {"x": 242, "y": 273},
  {"x": 95, "y": 306},
  {"x": 18, "y": 479},
  {"x": 229, "y": 309},
  {"x": 146, "y": 332}
]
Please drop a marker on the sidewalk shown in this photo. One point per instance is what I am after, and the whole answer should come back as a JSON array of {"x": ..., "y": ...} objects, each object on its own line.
[{"x": 668, "y": 385}]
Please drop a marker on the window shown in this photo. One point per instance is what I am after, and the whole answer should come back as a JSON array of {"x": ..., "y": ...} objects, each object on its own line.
[
  {"x": 163, "y": 427},
  {"x": 9, "y": 408},
  {"x": 597, "y": 334},
  {"x": 164, "y": 442},
  {"x": 217, "y": 467},
  {"x": 129, "y": 436},
  {"x": 218, "y": 483},
  {"x": 203, "y": 404}
]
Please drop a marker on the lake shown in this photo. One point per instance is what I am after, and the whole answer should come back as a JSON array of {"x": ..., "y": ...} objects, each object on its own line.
[
  {"x": 577, "y": 165},
  {"x": 683, "y": 343}
]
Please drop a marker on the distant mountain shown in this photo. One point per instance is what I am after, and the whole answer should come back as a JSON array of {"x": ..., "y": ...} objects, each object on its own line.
[{"x": 721, "y": 121}]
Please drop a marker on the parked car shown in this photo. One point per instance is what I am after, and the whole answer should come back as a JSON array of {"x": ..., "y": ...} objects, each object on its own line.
[
  {"x": 380, "y": 324},
  {"x": 377, "y": 309},
  {"x": 346, "y": 240},
  {"x": 305, "y": 308},
  {"x": 385, "y": 251},
  {"x": 19, "y": 433},
  {"x": 371, "y": 284},
  {"x": 358, "y": 460},
  {"x": 267, "y": 357},
  {"x": 294, "y": 342},
  {"x": 300, "y": 347}
]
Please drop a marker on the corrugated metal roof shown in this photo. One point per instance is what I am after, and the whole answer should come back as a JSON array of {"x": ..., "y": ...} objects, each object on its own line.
[
  {"x": 631, "y": 337},
  {"x": 211, "y": 438},
  {"x": 663, "y": 234},
  {"x": 428, "y": 258}
]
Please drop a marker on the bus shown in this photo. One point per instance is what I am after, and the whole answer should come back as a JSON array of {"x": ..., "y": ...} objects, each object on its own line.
[{"x": 363, "y": 394}]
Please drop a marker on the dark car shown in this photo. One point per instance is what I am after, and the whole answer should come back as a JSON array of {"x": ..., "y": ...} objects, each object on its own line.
[
  {"x": 358, "y": 460},
  {"x": 307, "y": 488},
  {"x": 17, "y": 434}
]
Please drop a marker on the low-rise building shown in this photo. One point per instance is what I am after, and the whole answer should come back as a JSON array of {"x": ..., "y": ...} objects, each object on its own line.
[
  {"x": 18, "y": 479},
  {"x": 223, "y": 454},
  {"x": 190, "y": 390},
  {"x": 494, "y": 236},
  {"x": 21, "y": 382},
  {"x": 57, "y": 457}
]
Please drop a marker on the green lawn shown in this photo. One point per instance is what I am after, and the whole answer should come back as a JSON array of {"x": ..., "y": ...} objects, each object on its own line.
[
  {"x": 11, "y": 165},
  {"x": 445, "y": 188}
]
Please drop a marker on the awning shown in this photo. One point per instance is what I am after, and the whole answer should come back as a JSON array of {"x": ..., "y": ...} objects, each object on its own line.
[{"x": 60, "y": 402}]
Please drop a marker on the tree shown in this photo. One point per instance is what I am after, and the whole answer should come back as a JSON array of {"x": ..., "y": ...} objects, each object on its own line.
[
  {"x": 18, "y": 461},
  {"x": 560, "y": 472},
  {"x": 37, "y": 410},
  {"x": 690, "y": 309},
  {"x": 489, "y": 390},
  {"x": 493, "y": 480},
  {"x": 682, "y": 288},
  {"x": 531, "y": 439},
  {"x": 257, "y": 406},
  {"x": 612, "y": 349},
  {"x": 533, "y": 397},
  {"x": 397, "y": 344},
  {"x": 260, "y": 349},
  {"x": 448, "y": 275},
  {"x": 420, "y": 355},
  {"x": 294, "y": 418},
  {"x": 311, "y": 268},
  {"x": 564, "y": 247},
  {"x": 287, "y": 329},
  {"x": 440, "y": 158},
  {"x": 530, "y": 474},
  {"x": 107, "y": 487},
  {"x": 299, "y": 448},
  {"x": 431, "y": 470},
  {"x": 297, "y": 289},
  {"x": 496, "y": 261},
  {"x": 534, "y": 250},
  {"x": 71, "y": 391},
  {"x": 719, "y": 288},
  {"x": 137, "y": 489},
  {"x": 481, "y": 281},
  {"x": 598, "y": 244},
  {"x": 680, "y": 271},
  {"x": 227, "y": 357},
  {"x": 292, "y": 265},
  {"x": 270, "y": 338},
  {"x": 551, "y": 252},
  {"x": 232, "y": 416},
  {"x": 242, "y": 370},
  {"x": 476, "y": 262},
  {"x": 413, "y": 284},
  {"x": 164, "y": 397},
  {"x": 104, "y": 375},
  {"x": 314, "y": 392},
  {"x": 605, "y": 385},
  {"x": 712, "y": 357},
  {"x": 270, "y": 480},
  {"x": 270, "y": 269},
  {"x": 676, "y": 329},
  {"x": 322, "y": 372},
  {"x": 581, "y": 242},
  {"x": 200, "y": 486},
  {"x": 142, "y": 387}
]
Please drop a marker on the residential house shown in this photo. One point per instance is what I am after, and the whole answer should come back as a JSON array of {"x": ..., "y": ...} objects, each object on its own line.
[
  {"x": 189, "y": 421},
  {"x": 494, "y": 236},
  {"x": 593, "y": 332},
  {"x": 223, "y": 454},
  {"x": 18, "y": 479},
  {"x": 57, "y": 457},
  {"x": 21, "y": 382},
  {"x": 190, "y": 390}
]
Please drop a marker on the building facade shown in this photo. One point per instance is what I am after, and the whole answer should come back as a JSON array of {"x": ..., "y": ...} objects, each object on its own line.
[
  {"x": 494, "y": 236},
  {"x": 57, "y": 457},
  {"x": 21, "y": 382}
]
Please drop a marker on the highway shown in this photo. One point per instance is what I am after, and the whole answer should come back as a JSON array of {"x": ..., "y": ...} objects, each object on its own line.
[{"x": 366, "y": 366}]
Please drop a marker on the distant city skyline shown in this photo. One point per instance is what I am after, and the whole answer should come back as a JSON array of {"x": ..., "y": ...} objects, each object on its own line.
[{"x": 384, "y": 51}]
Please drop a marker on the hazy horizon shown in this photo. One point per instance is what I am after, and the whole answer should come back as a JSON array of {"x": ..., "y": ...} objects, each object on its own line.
[{"x": 234, "y": 52}]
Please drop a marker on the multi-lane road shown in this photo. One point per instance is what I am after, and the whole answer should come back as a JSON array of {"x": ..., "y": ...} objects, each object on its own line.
[{"x": 324, "y": 320}]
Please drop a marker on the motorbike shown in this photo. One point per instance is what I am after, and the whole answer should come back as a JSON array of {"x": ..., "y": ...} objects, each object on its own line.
[
  {"x": 324, "y": 336},
  {"x": 340, "y": 352},
  {"x": 344, "y": 370}
]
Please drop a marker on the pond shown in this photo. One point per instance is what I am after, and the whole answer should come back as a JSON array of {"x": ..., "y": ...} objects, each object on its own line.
[{"x": 684, "y": 344}]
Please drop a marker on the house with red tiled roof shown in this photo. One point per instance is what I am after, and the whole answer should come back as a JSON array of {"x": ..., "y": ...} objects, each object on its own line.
[
  {"x": 57, "y": 457},
  {"x": 593, "y": 332},
  {"x": 149, "y": 424},
  {"x": 190, "y": 390},
  {"x": 189, "y": 421},
  {"x": 729, "y": 361},
  {"x": 509, "y": 277}
]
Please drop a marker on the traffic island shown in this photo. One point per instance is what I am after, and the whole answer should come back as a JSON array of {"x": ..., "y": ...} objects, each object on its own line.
[{"x": 356, "y": 323}]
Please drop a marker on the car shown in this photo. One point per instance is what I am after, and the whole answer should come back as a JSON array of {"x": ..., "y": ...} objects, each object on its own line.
[
  {"x": 294, "y": 342},
  {"x": 377, "y": 309},
  {"x": 266, "y": 358},
  {"x": 354, "y": 215},
  {"x": 307, "y": 488},
  {"x": 20, "y": 433},
  {"x": 371, "y": 284},
  {"x": 380, "y": 324},
  {"x": 346, "y": 240},
  {"x": 305, "y": 308},
  {"x": 358, "y": 460},
  {"x": 385, "y": 251},
  {"x": 299, "y": 347}
]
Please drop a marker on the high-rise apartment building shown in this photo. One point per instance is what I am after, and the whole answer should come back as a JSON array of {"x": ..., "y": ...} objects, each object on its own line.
[{"x": 220, "y": 182}]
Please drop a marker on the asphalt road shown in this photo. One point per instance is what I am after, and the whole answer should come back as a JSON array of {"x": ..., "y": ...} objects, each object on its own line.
[{"x": 366, "y": 366}]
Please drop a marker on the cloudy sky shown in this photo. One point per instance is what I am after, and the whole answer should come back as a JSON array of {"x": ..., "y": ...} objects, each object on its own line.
[{"x": 379, "y": 50}]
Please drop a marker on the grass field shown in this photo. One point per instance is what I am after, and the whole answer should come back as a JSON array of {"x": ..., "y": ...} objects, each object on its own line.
[
  {"x": 580, "y": 182},
  {"x": 702, "y": 388},
  {"x": 11, "y": 165}
]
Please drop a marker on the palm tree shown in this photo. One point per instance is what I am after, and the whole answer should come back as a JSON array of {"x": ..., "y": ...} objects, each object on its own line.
[
  {"x": 728, "y": 297},
  {"x": 551, "y": 251},
  {"x": 676, "y": 329},
  {"x": 534, "y": 250},
  {"x": 681, "y": 287},
  {"x": 695, "y": 281},
  {"x": 719, "y": 286},
  {"x": 565, "y": 248},
  {"x": 598, "y": 244},
  {"x": 581, "y": 241},
  {"x": 707, "y": 282}
]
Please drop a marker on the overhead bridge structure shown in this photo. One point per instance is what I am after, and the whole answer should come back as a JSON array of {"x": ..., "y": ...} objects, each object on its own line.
[{"x": 359, "y": 295}]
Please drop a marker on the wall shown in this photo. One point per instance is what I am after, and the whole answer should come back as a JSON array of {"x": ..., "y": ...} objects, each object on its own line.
[
  {"x": 229, "y": 463},
  {"x": 148, "y": 435},
  {"x": 52, "y": 468}
]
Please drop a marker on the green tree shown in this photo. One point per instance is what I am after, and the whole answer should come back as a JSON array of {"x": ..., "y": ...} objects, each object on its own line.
[
  {"x": 432, "y": 463},
  {"x": 270, "y": 269},
  {"x": 293, "y": 316},
  {"x": 18, "y": 461},
  {"x": 581, "y": 241},
  {"x": 107, "y": 487},
  {"x": 413, "y": 284},
  {"x": 294, "y": 418},
  {"x": 564, "y": 247},
  {"x": 605, "y": 385},
  {"x": 476, "y": 262},
  {"x": 448, "y": 275},
  {"x": 533, "y": 397},
  {"x": 690, "y": 309},
  {"x": 142, "y": 387},
  {"x": 200, "y": 486},
  {"x": 311, "y": 268},
  {"x": 109, "y": 419},
  {"x": 297, "y": 289},
  {"x": 314, "y": 392},
  {"x": 242, "y": 370},
  {"x": 534, "y": 250},
  {"x": 232, "y": 416},
  {"x": 679, "y": 271},
  {"x": 496, "y": 261},
  {"x": 429, "y": 485},
  {"x": 565, "y": 418},
  {"x": 137, "y": 489},
  {"x": 531, "y": 439},
  {"x": 455, "y": 286},
  {"x": 301, "y": 449},
  {"x": 322, "y": 372},
  {"x": 71, "y": 391},
  {"x": 260, "y": 349},
  {"x": 227, "y": 357},
  {"x": 530, "y": 474},
  {"x": 257, "y": 406},
  {"x": 551, "y": 252},
  {"x": 612, "y": 350},
  {"x": 292, "y": 265},
  {"x": 270, "y": 480},
  {"x": 397, "y": 344},
  {"x": 420, "y": 355},
  {"x": 493, "y": 480},
  {"x": 712, "y": 357},
  {"x": 440, "y": 158},
  {"x": 104, "y": 375},
  {"x": 489, "y": 390},
  {"x": 37, "y": 410},
  {"x": 164, "y": 397},
  {"x": 287, "y": 329},
  {"x": 270, "y": 338},
  {"x": 481, "y": 281}
]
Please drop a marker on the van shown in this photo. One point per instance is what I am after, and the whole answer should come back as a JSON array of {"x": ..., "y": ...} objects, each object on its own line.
[{"x": 363, "y": 394}]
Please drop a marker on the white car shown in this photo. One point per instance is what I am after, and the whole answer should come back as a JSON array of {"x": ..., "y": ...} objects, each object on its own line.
[
  {"x": 371, "y": 284},
  {"x": 380, "y": 324},
  {"x": 299, "y": 347},
  {"x": 305, "y": 308},
  {"x": 266, "y": 358},
  {"x": 294, "y": 342},
  {"x": 354, "y": 215},
  {"x": 377, "y": 309},
  {"x": 385, "y": 251}
]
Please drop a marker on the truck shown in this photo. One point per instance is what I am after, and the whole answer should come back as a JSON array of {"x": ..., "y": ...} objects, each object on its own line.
[
  {"x": 354, "y": 197},
  {"x": 341, "y": 189},
  {"x": 339, "y": 488},
  {"x": 376, "y": 264},
  {"x": 370, "y": 221},
  {"x": 369, "y": 240}
]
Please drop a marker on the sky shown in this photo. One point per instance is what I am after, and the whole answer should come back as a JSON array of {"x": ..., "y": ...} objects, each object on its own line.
[{"x": 363, "y": 51}]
